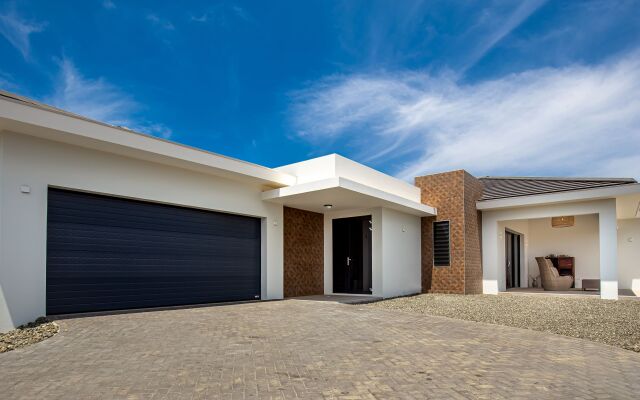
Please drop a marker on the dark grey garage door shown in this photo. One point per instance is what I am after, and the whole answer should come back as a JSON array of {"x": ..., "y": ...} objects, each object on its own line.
[{"x": 106, "y": 253}]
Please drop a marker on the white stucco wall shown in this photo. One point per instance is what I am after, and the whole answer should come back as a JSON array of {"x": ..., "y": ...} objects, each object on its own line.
[
  {"x": 580, "y": 241},
  {"x": 401, "y": 253},
  {"x": 39, "y": 163},
  {"x": 629, "y": 254},
  {"x": 396, "y": 268}
]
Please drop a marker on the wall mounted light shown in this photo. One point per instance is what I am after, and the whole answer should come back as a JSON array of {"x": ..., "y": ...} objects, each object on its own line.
[
  {"x": 562, "y": 222},
  {"x": 25, "y": 189}
]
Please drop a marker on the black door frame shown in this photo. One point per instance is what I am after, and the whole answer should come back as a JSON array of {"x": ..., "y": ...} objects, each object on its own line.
[
  {"x": 512, "y": 255},
  {"x": 352, "y": 255}
]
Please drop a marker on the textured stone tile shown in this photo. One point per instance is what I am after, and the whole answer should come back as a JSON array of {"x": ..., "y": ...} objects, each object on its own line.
[
  {"x": 454, "y": 194},
  {"x": 303, "y": 237}
]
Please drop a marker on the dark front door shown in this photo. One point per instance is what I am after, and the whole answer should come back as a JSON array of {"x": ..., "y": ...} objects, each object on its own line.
[
  {"x": 512, "y": 259},
  {"x": 352, "y": 255},
  {"x": 107, "y": 253}
]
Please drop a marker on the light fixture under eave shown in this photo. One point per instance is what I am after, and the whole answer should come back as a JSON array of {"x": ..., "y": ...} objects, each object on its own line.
[
  {"x": 562, "y": 222},
  {"x": 328, "y": 206}
]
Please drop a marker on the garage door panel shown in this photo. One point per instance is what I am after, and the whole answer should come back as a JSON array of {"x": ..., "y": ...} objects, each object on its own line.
[
  {"x": 161, "y": 292},
  {"x": 88, "y": 232},
  {"x": 140, "y": 303},
  {"x": 73, "y": 238},
  {"x": 108, "y": 253},
  {"x": 117, "y": 212}
]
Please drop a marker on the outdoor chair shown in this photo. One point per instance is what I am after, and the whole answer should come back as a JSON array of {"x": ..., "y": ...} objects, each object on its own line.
[{"x": 551, "y": 279}]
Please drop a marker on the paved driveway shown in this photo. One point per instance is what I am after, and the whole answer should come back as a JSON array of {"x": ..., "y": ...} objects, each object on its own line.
[{"x": 310, "y": 349}]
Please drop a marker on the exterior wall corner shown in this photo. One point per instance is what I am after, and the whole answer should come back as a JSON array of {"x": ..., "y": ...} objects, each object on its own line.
[{"x": 454, "y": 194}]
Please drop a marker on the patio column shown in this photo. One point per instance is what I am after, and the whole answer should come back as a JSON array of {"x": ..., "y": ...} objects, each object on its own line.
[
  {"x": 490, "y": 264},
  {"x": 608, "y": 251}
]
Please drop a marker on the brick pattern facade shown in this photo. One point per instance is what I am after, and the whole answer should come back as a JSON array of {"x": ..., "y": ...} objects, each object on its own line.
[
  {"x": 454, "y": 195},
  {"x": 303, "y": 252},
  {"x": 473, "y": 236}
]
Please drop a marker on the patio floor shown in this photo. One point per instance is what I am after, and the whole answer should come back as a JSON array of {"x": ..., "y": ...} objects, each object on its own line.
[{"x": 622, "y": 293}]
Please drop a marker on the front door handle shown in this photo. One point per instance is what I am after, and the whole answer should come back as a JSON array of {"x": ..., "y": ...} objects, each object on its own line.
[{"x": 348, "y": 261}]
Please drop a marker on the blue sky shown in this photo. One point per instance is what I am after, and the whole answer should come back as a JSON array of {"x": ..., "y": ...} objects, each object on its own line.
[{"x": 409, "y": 87}]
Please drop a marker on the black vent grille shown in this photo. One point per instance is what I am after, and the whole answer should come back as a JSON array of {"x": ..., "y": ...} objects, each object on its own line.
[{"x": 441, "y": 252}]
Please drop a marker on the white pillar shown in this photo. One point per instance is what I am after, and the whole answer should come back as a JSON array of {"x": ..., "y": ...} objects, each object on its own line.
[
  {"x": 608, "y": 251},
  {"x": 490, "y": 273}
]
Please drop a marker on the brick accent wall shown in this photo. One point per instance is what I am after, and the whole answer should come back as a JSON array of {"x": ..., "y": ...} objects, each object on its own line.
[
  {"x": 454, "y": 195},
  {"x": 427, "y": 252},
  {"x": 303, "y": 252},
  {"x": 473, "y": 236}
]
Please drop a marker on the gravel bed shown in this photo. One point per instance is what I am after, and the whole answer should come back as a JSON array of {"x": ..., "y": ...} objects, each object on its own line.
[
  {"x": 27, "y": 334},
  {"x": 616, "y": 323}
]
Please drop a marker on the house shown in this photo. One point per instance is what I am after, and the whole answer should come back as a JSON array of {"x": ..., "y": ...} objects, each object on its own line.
[{"x": 95, "y": 217}]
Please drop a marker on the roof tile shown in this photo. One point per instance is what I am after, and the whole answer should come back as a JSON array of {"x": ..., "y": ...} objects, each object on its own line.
[{"x": 503, "y": 187}]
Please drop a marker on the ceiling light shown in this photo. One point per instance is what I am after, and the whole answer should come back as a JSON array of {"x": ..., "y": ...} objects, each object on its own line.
[{"x": 328, "y": 206}]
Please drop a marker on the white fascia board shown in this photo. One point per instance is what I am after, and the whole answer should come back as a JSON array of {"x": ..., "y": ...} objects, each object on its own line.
[
  {"x": 563, "y": 197},
  {"x": 335, "y": 165},
  {"x": 58, "y": 125},
  {"x": 338, "y": 182}
]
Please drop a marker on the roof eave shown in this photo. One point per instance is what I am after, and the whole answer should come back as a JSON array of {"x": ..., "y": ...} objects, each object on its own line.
[
  {"x": 561, "y": 197},
  {"x": 384, "y": 199},
  {"x": 31, "y": 118}
]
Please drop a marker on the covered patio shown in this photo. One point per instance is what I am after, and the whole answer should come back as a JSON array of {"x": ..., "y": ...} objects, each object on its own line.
[{"x": 593, "y": 236}]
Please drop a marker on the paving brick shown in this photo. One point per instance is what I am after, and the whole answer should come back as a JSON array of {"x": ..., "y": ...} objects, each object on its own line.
[{"x": 310, "y": 350}]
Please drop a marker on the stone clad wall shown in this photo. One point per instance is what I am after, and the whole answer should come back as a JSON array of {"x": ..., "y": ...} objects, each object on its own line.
[
  {"x": 454, "y": 195},
  {"x": 303, "y": 252},
  {"x": 473, "y": 236}
]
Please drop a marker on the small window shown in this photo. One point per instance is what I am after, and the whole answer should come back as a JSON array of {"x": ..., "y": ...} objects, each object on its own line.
[{"x": 441, "y": 253}]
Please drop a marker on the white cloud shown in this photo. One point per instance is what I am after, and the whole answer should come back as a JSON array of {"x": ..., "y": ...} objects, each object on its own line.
[
  {"x": 7, "y": 82},
  {"x": 108, "y": 4},
  {"x": 161, "y": 22},
  {"x": 153, "y": 128},
  {"x": 498, "y": 28},
  {"x": 203, "y": 18},
  {"x": 222, "y": 15},
  {"x": 18, "y": 31},
  {"x": 98, "y": 99},
  {"x": 577, "y": 120}
]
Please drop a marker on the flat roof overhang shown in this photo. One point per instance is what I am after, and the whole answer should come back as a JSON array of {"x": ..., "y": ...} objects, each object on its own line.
[
  {"x": 20, "y": 115},
  {"x": 343, "y": 194}
]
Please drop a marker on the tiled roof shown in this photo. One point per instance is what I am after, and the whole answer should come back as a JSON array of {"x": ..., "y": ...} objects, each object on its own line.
[{"x": 503, "y": 187}]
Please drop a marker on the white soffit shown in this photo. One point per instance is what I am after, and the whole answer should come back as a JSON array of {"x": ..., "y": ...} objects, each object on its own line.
[
  {"x": 563, "y": 197},
  {"x": 342, "y": 194},
  {"x": 21, "y": 115},
  {"x": 628, "y": 206}
]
